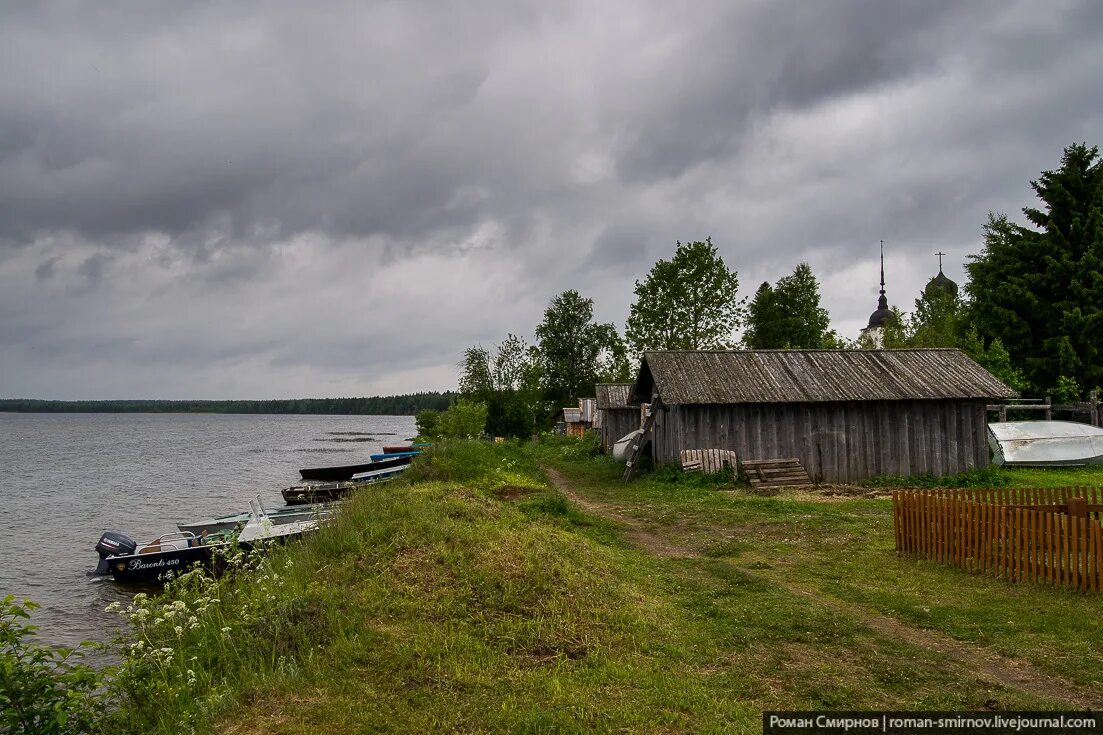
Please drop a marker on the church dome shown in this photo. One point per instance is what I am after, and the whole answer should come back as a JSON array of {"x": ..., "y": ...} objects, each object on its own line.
[
  {"x": 881, "y": 317},
  {"x": 940, "y": 284}
]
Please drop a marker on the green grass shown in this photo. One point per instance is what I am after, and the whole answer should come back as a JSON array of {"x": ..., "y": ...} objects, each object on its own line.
[
  {"x": 471, "y": 596},
  {"x": 844, "y": 549},
  {"x": 999, "y": 477}
]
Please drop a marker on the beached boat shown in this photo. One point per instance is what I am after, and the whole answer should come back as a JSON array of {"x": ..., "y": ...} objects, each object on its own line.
[
  {"x": 328, "y": 492},
  {"x": 407, "y": 455},
  {"x": 1045, "y": 443},
  {"x": 398, "y": 449},
  {"x": 129, "y": 561},
  {"x": 278, "y": 517},
  {"x": 345, "y": 472}
]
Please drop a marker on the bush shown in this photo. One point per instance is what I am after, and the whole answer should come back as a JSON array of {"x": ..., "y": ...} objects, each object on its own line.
[
  {"x": 464, "y": 420},
  {"x": 42, "y": 690},
  {"x": 427, "y": 423}
]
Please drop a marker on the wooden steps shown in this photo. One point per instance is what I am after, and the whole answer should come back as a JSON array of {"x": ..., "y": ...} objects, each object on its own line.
[{"x": 776, "y": 473}]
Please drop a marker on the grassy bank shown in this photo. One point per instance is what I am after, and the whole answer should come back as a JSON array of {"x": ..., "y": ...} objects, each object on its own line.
[{"x": 474, "y": 596}]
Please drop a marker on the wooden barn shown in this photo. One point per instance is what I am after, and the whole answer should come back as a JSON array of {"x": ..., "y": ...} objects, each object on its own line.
[
  {"x": 847, "y": 415},
  {"x": 616, "y": 416}
]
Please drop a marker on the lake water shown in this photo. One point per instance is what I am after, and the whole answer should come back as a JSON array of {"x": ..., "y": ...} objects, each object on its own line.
[{"x": 68, "y": 477}]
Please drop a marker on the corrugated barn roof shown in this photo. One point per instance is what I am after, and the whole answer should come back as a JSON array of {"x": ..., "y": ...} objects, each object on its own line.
[
  {"x": 613, "y": 395},
  {"x": 813, "y": 376}
]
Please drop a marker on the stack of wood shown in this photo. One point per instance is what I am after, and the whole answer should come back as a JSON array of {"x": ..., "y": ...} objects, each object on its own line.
[
  {"x": 707, "y": 461},
  {"x": 776, "y": 473}
]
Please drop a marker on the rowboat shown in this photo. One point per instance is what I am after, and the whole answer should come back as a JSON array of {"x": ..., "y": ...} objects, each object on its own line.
[
  {"x": 345, "y": 472},
  {"x": 301, "y": 494},
  {"x": 237, "y": 520},
  {"x": 398, "y": 449},
  {"x": 1045, "y": 443},
  {"x": 407, "y": 455},
  {"x": 179, "y": 551}
]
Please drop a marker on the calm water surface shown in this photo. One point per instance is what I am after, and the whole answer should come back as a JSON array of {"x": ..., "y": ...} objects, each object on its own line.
[{"x": 68, "y": 477}]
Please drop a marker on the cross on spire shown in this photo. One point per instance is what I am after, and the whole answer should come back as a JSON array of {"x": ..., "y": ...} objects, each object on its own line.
[{"x": 940, "y": 254}]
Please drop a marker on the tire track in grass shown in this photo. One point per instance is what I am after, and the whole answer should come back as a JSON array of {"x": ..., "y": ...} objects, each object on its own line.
[{"x": 978, "y": 661}]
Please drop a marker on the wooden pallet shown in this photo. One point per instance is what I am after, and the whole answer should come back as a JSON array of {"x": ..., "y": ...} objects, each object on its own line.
[
  {"x": 776, "y": 473},
  {"x": 707, "y": 461}
]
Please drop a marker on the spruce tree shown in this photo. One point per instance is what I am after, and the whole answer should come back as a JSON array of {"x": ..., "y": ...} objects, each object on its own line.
[{"x": 1040, "y": 289}]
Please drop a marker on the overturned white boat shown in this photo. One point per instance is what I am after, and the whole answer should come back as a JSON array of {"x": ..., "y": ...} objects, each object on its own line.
[
  {"x": 1045, "y": 443},
  {"x": 622, "y": 448}
]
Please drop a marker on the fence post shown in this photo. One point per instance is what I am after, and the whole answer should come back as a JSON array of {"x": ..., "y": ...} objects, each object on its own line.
[{"x": 1049, "y": 408}]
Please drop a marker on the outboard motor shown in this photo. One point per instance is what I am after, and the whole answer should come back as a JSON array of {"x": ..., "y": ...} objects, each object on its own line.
[{"x": 113, "y": 543}]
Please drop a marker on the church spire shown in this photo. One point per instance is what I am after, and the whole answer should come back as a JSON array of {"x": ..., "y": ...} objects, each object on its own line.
[{"x": 883, "y": 302}]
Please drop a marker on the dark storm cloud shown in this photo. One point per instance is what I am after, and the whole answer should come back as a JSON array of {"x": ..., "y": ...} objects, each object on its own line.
[{"x": 279, "y": 198}]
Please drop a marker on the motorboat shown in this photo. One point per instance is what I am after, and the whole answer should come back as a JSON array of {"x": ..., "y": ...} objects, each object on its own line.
[
  {"x": 179, "y": 551},
  {"x": 1045, "y": 443}
]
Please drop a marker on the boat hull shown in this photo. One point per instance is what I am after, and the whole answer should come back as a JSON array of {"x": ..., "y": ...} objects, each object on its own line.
[
  {"x": 345, "y": 472},
  {"x": 331, "y": 491},
  {"x": 1045, "y": 444},
  {"x": 152, "y": 567},
  {"x": 398, "y": 449},
  {"x": 229, "y": 523}
]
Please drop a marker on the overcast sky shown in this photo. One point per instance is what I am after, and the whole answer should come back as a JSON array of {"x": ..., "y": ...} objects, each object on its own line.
[{"x": 277, "y": 199}]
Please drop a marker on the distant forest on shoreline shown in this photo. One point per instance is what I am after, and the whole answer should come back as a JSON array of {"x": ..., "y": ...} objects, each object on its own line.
[{"x": 403, "y": 405}]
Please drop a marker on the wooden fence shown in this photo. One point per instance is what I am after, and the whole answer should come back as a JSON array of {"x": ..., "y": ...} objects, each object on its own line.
[{"x": 1045, "y": 535}]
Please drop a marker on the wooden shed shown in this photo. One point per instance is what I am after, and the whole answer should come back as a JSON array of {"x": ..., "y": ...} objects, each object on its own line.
[
  {"x": 617, "y": 416},
  {"x": 847, "y": 415}
]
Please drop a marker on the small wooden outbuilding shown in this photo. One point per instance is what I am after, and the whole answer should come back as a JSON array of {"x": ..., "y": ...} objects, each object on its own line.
[
  {"x": 847, "y": 415},
  {"x": 616, "y": 416}
]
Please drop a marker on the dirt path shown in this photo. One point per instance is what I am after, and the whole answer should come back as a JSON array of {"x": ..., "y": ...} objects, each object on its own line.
[{"x": 981, "y": 662}]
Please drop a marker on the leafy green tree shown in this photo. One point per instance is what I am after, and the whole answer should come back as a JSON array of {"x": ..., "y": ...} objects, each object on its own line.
[
  {"x": 1067, "y": 390},
  {"x": 789, "y": 315},
  {"x": 994, "y": 358},
  {"x": 690, "y": 302},
  {"x": 507, "y": 382},
  {"x": 476, "y": 373},
  {"x": 575, "y": 352},
  {"x": 513, "y": 368},
  {"x": 427, "y": 422},
  {"x": 1039, "y": 288},
  {"x": 464, "y": 420}
]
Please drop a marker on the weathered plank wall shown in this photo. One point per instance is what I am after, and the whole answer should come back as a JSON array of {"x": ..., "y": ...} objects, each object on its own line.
[
  {"x": 617, "y": 423},
  {"x": 836, "y": 442}
]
